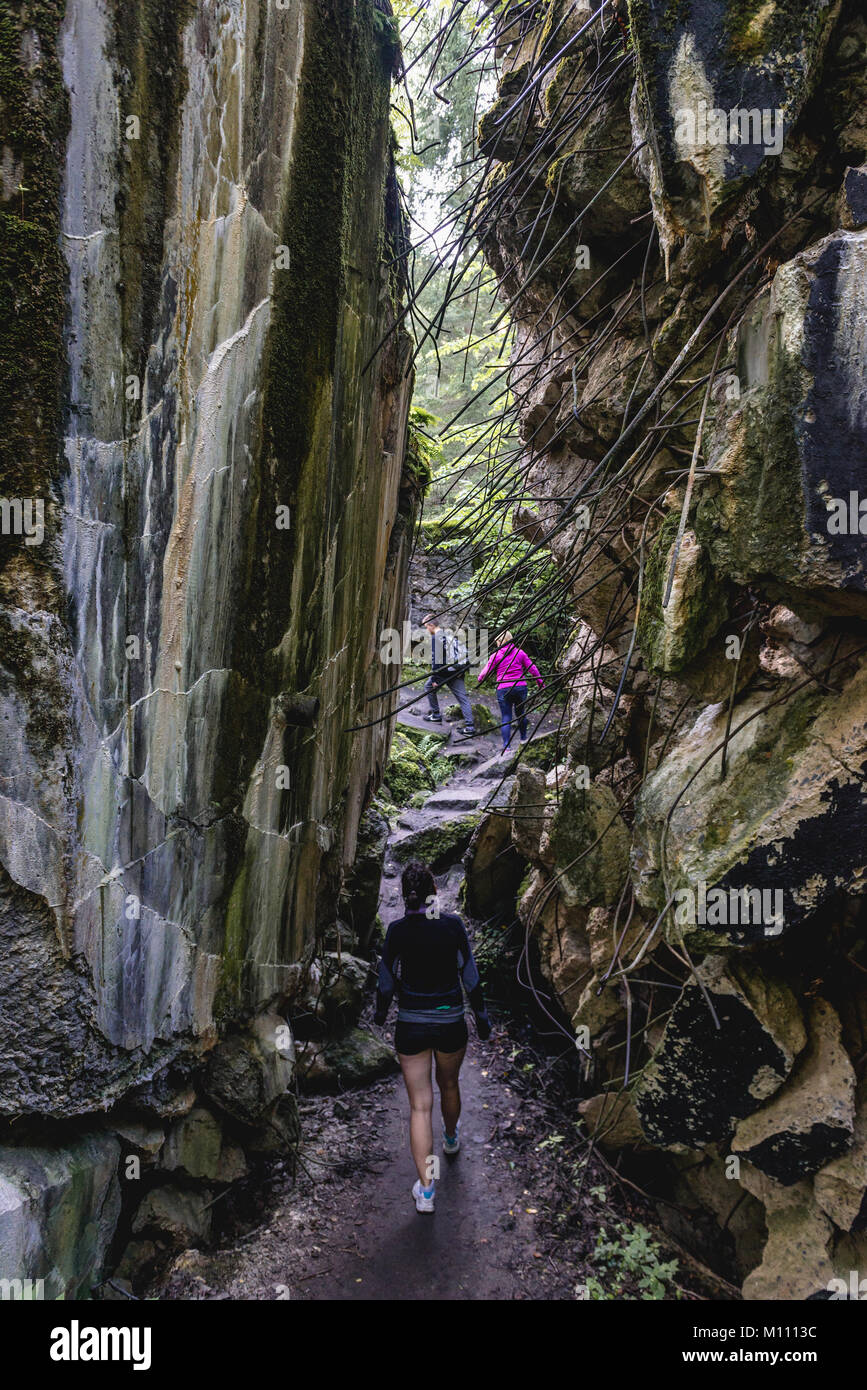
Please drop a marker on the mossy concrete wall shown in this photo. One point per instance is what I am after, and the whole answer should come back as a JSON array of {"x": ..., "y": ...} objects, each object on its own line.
[
  {"x": 698, "y": 895},
  {"x": 198, "y": 206}
]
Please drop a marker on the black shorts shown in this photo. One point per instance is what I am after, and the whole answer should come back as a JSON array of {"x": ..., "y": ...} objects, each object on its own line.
[{"x": 412, "y": 1038}]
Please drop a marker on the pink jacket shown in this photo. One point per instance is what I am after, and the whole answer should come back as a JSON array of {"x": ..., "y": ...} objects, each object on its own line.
[{"x": 512, "y": 667}]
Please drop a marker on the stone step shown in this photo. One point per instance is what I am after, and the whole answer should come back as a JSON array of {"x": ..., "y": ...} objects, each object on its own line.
[
  {"x": 455, "y": 799},
  {"x": 440, "y": 843},
  {"x": 494, "y": 768},
  {"x": 461, "y": 755}
]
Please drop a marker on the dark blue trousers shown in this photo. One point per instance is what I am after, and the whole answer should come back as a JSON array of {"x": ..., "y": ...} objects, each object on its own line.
[{"x": 513, "y": 701}]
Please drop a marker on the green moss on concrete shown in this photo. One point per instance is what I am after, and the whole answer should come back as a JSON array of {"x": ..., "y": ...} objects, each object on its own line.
[
  {"x": 33, "y": 123},
  {"x": 438, "y": 845},
  {"x": 407, "y": 772},
  {"x": 692, "y": 622},
  {"x": 770, "y": 40},
  {"x": 147, "y": 36},
  {"x": 544, "y": 751},
  {"x": 234, "y": 950},
  {"x": 483, "y": 720},
  {"x": 590, "y": 846}
]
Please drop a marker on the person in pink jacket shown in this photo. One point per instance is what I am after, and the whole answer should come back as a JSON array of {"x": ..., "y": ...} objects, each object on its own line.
[{"x": 511, "y": 666}]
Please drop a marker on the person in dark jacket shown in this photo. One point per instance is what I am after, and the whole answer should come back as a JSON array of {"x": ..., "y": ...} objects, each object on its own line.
[
  {"x": 446, "y": 670},
  {"x": 426, "y": 958}
]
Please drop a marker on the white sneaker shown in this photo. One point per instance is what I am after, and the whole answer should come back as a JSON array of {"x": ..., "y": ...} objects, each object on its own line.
[
  {"x": 451, "y": 1146},
  {"x": 422, "y": 1203}
]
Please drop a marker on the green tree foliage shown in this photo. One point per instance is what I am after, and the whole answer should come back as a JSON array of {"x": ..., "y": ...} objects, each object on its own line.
[{"x": 462, "y": 396}]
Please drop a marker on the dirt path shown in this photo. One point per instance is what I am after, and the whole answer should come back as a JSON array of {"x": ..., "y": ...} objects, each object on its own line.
[
  {"x": 518, "y": 1210},
  {"x": 347, "y": 1227}
]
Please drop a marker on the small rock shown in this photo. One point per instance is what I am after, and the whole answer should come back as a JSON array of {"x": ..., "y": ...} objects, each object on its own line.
[
  {"x": 438, "y": 845},
  {"x": 611, "y": 1118},
  {"x": 146, "y": 1140},
  {"x": 137, "y": 1261},
  {"x": 352, "y": 1060},
  {"x": 164, "y": 1098},
  {"x": 782, "y": 622},
  {"x": 196, "y": 1145},
  {"x": 178, "y": 1215}
]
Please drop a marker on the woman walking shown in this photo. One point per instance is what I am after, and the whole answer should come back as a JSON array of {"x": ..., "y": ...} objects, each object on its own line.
[
  {"x": 426, "y": 956},
  {"x": 511, "y": 666}
]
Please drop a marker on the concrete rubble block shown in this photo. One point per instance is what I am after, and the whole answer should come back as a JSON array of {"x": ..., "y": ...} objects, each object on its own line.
[
  {"x": 528, "y": 811},
  {"x": 247, "y": 1071},
  {"x": 589, "y": 842},
  {"x": 841, "y": 1185},
  {"x": 702, "y": 1079},
  {"x": 58, "y": 1211},
  {"x": 179, "y": 1216},
  {"x": 796, "y": 1260},
  {"x": 197, "y": 1145},
  {"x": 810, "y": 1119}
]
